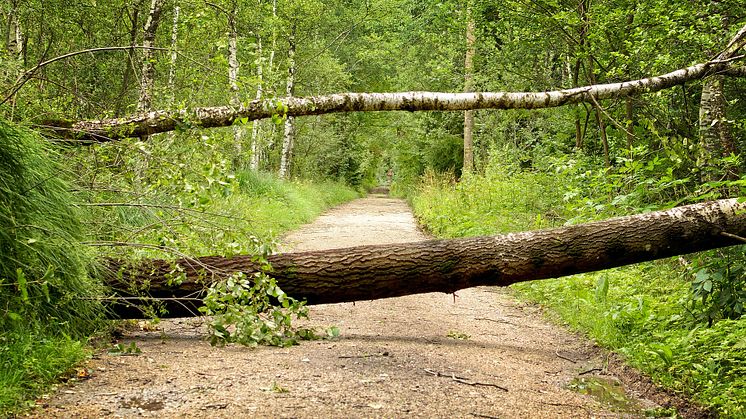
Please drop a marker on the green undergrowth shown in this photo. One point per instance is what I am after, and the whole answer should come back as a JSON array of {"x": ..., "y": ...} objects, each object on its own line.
[
  {"x": 46, "y": 314},
  {"x": 235, "y": 214},
  {"x": 651, "y": 313}
]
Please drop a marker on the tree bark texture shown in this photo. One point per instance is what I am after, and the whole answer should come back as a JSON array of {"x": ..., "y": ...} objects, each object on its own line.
[
  {"x": 715, "y": 129},
  {"x": 289, "y": 137},
  {"x": 255, "y": 125},
  {"x": 145, "y": 124},
  {"x": 373, "y": 272},
  {"x": 468, "y": 165},
  {"x": 144, "y": 104}
]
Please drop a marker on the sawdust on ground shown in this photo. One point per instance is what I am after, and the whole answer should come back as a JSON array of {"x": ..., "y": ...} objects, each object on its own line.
[{"x": 479, "y": 354}]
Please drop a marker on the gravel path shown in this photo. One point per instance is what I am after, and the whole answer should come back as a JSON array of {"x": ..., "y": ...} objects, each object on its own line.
[{"x": 477, "y": 354}]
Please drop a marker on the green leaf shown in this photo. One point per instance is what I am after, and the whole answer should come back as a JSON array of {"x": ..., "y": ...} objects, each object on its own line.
[{"x": 22, "y": 285}]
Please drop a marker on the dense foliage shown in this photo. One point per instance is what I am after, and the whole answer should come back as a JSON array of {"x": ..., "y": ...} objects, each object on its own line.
[
  {"x": 44, "y": 286},
  {"x": 195, "y": 192}
]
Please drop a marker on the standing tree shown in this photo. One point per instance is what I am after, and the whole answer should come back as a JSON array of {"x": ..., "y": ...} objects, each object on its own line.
[
  {"x": 147, "y": 80},
  {"x": 289, "y": 137},
  {"x": 469, "y": 87}
]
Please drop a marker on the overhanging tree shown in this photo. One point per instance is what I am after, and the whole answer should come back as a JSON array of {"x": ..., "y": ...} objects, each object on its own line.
[{"x": 155, "y": 122}]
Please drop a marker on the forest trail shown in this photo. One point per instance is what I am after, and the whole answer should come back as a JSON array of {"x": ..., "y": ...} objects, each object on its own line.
[{"x": 478, "y": 354}]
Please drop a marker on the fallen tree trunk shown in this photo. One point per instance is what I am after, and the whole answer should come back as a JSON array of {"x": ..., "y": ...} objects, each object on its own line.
[
  {"x": 155, "y": 122},
  {"x": 373, "y": 272}
]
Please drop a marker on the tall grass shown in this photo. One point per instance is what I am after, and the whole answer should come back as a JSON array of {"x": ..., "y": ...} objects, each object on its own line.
[{"x": 43, "y": 270}]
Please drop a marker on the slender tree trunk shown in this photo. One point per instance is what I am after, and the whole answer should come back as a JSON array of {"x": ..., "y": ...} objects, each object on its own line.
[
  {"x": 256, "y": 125},
  {"x": 289, "y": 138},
  {"x": 172, "y": 66},
  {"x": 629, "y": 107},
  {"x": 715, "y": 129},
  {"x": 145, "y": 102},
  {"x": 14, "y": 44},
  {"x": 599, "y": 116},
  {"x": 373, "y": 272},
  {"x": 15, "y": 34},
  {"x": 579, "y": 135},
  {"x": 469, "y": 87},
  {"x": 130, "y": 59},
  {"x": 233, "y": 68}
]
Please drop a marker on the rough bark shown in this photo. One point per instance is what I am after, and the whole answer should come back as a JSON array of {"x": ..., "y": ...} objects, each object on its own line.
[
  {"x": 373, "y": 272},
  {"x": 289, "y": 137},
  {"x": 144, "y": 104},
  {"x": 220, "y": 116},
  {"x": 468, "y": 165},
  {"x": 716, "y": 135}
]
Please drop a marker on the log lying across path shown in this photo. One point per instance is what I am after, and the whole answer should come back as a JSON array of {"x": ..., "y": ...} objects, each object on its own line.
[{"x": 373, "y": 272}]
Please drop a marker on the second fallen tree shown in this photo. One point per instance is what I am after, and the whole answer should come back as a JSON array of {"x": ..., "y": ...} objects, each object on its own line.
[{"x": 373, "y": 272}]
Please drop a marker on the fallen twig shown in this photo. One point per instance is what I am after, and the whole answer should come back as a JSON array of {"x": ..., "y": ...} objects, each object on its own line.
[
  {"x": 364, "y": 356},
  {"x": 464, "y": 380},
  {"x": 495, "y": 320},
  {"x": 564, "y": 357},
  {"x": 590, "y": 371}
]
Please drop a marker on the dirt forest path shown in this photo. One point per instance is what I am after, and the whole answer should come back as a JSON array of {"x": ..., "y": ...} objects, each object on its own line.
[{"x": 478, "y": 354}]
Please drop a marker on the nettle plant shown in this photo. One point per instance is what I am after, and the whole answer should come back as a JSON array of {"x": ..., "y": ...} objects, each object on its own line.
[{"x": 252, "y": 310}]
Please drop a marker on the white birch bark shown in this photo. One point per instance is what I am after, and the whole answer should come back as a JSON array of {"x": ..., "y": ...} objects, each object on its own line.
[
  {"x": 172, "y": 67},
  {"x": 289, "y": 137},
  {"x": 220, "y": 116},
  {"x": 255, "y": 125},
  {"x": 145, "y": 101},
  {"x": 233, "y": 68}
]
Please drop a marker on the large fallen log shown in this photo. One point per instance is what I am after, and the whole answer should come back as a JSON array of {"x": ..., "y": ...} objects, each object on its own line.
[{"x": 373, "y": 272}]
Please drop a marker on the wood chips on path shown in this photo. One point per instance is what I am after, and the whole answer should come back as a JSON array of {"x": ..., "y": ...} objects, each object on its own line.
[{"x": 478, "y": 354}]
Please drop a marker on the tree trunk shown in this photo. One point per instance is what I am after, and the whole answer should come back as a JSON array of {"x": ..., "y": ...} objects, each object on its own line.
[
  {"x": 233, "y": 68},
  {"x": 130, "y": 64},
  {"x": 145, "y": 102},
  {"x": 289, "y": 138},
  {"x": 373, "y": 272},
  {"x": 221, "y": 116},
  {"x": 468, "y": 165},
  {"x": 716, "y": 135},
  {"x": 172, "y": 66},
  {"x": 255, "y": 125}
]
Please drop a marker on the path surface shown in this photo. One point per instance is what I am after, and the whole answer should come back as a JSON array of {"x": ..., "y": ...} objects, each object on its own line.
[{"x": 479, "y": 354}]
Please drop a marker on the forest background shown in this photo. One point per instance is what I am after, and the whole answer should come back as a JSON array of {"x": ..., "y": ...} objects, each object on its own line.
[{"x": 234, "y": 190}]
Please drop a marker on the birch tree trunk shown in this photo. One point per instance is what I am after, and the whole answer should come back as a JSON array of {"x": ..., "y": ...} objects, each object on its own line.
[
  {"x": 172, "y": 66},
  {"x": 715, "y": 130},
  {"x": 233, "y": 68},
  {"x": 221, "y": 116},
  {"x": 289, "y": 137},
  {"x": 14, "y": 45},
  {"x": 145, "y": 102},
  {"x": 255, "y": 125},
  {"x": 468, "y": 165},
  {"x": 372, "y": 272}
]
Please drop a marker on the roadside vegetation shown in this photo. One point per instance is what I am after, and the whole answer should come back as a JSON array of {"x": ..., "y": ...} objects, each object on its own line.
[
  {"x": 55, "y": 228},
  {"x": 678, "y": 320}
]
